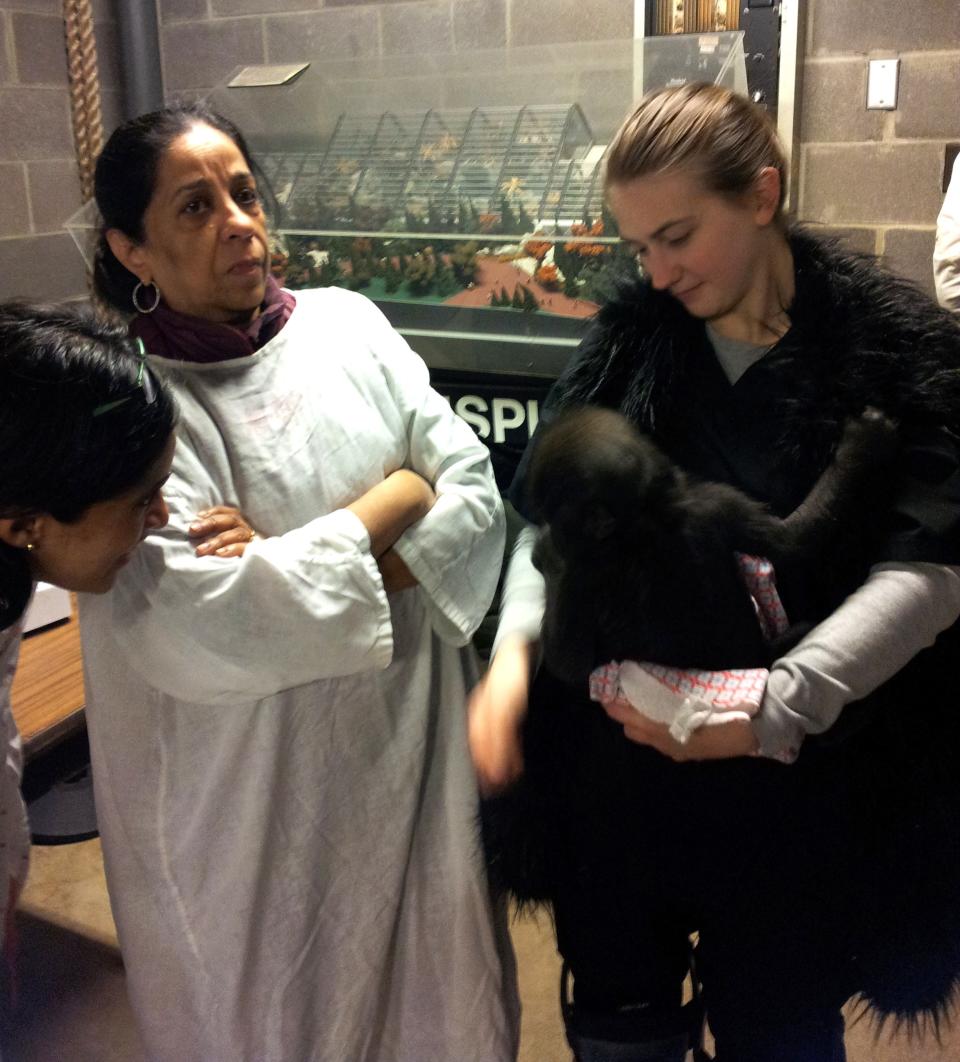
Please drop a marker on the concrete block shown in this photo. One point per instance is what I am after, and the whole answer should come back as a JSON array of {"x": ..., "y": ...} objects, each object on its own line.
[
  {"x": 6, "y": 70},
  {"x": 834, "y": 103},
  {"x": 556, "y": 21},
  {"x": 479, "y": 24},
  {"x": 929, "y": 102},
  {"x": 54, "y": 193},
  {"x": 909, "y": 253},
  {"x": 35, "y": 124},
  {"x": 14, "y": 206},
  {"x": 37, "y": 6},
  {"x": 332, "y": 34},
  {"x": 855, "y": 26},
  {"x": 860, "y": 240},
  {"x": 179, "y": 10},
  {"x": 40, "y": 49},
  {"x": 223, "y": 8},
  {"x": 41, "y": 267},
  {"x": 419, "y": 27},
  {"x": 871, "y": 184},
  {"x": 201, "y": 54}
]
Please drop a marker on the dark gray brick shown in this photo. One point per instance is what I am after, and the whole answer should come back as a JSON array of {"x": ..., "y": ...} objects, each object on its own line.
[
  {"x": 35, "y": 124},
  {"x": 223, "y": 8},
  {"x": 833, "y": 105},
  {"x": 929, "y": 102},
  {"x": 201, "y": 54},
  {"x": 33, "y": 6},
  {"x": 40, "y": 49},
  {"x": 6, "y": 70},
  {"x": 176, "y": 10},
  {"x": 14, "y": 209},
  {"x": 54, "y": 193},
  {"x": 41, "y": 267},
  {"x": 552, "y": 21},
  {"x": 909, "y": 252},
  {"x": 861, "y": 240},
  {"x": 853, "y": 26},
  {"x": 872, "y": 184},
  {"x": 412, "y": 28},
  {"x": 334, "y": 34}
]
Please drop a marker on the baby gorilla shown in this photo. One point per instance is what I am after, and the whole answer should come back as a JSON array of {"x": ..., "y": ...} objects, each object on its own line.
[{"x": 639, "y": 560}]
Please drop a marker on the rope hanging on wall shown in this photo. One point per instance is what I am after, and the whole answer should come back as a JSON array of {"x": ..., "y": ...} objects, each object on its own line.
[{"x": 84, "y": 89}]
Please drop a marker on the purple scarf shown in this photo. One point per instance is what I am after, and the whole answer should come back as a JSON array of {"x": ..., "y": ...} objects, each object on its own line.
[{"x": 170, "y": 334}]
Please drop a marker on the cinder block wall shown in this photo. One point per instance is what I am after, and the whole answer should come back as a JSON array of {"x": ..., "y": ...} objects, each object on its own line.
[
  {"x": 38, "y": 173},
  {"x": 876, "y": 176},
  {"x": 203, "y": 40}
]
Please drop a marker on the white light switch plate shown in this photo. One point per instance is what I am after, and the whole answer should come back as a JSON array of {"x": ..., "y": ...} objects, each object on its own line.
[{"x": 883, "y": 77}]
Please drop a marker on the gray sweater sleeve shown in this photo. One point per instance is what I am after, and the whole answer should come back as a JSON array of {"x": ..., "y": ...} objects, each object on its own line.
[
  {"x": 899, "y": 610},
  {"x": 523, "y": 597}
]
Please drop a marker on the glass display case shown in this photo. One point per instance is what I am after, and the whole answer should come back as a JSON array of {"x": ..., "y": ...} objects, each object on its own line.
[{"x": 463, "y": 194}]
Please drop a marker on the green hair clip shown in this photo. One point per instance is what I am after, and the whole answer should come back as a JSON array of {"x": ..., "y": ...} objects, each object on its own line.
[{"x": 144, "y": 383}]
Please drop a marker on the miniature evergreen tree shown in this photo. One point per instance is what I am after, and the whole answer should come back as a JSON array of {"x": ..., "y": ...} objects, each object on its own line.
[
  {"x": 446, "y": 282},
  {"x": 530, "y": 304},
  {"x": 524, "y": 221},
  {"x": 437, "y": 220},
  {"x": 517, "y": 301},
  {"x": 508, "y": 220},
  {"x": 393, "y": 278},
  {"x": 420, "y": 275}
]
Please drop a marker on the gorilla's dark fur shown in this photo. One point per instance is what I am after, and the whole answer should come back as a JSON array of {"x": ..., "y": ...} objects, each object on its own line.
[{"x": 639, "y": 559}]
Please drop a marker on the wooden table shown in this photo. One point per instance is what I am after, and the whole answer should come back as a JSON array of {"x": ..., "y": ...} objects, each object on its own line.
[{"x": 47, "y": 695}]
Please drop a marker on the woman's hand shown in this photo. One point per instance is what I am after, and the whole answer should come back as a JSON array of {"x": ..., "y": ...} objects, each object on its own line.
[
  {"x": 223, "y": 530},
  {"x": 395, "y": 574},
  {"x": 497, "y": 709},
  {"x": 716, "y": 741}
]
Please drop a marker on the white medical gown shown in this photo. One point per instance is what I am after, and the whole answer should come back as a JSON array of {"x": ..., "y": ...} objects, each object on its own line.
[{"x": 284, "y": 791}]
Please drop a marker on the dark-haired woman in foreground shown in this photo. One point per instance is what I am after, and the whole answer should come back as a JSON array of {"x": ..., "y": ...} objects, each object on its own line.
[
  {"x": 86, "y": 443},
  {"x": 284, "y": 791},
  {"x": 835, "y": 871}
]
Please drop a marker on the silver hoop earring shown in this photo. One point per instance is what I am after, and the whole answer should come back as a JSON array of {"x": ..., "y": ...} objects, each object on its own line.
[{"x": 136, "y": 294}]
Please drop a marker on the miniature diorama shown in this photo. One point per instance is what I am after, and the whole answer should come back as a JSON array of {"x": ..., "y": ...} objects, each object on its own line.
[{"x": 495, "y": 207}]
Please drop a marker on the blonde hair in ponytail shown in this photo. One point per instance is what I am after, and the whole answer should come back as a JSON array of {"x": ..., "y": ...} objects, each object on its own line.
[{"x": 704, "y": 130}]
